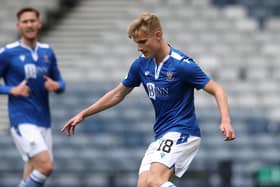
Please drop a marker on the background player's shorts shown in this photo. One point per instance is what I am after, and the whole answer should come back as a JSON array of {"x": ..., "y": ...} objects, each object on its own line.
[
  {"x": 174, "y": 149},
  {"x": 31, "y": 140}
]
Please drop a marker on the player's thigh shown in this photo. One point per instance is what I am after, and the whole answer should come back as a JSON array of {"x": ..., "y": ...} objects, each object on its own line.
[
  {"x": 157, "y": 174},
  {"x": 176, "y": 151},
  {"x": 142, "y": 179},
  {"x": 42, "y": 161},
  {"x": 47, "y": 136},
  {"x": 161, "y": 172},
  {"x": 31, "y": 140}
]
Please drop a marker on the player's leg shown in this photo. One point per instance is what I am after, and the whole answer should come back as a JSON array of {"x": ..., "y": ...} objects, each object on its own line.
[
  {"x": 43, "y": 166},
  {"x": 42, "y": 161},
  {"x": 34, "y": 144},
  {"x": 171, "y": 153},
  {"x": 142, "y": 179},
  {"x": 27, "y": 170},
  {"x": 26, "y": 173},
  {"x": 145, "y": 165},
  {"x": 158, "y": 176},
  {"x": 152, "y": 173}
]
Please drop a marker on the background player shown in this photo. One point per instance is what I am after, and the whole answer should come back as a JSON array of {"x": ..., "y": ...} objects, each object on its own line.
[
  {"x": 30, "y": 72},
  {"x": 169, "y": 78}
]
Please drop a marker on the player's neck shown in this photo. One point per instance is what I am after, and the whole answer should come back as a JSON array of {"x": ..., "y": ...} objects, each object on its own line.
[
  {"x": 30, "y": 43},
  {"x": 163, "y": 52}
]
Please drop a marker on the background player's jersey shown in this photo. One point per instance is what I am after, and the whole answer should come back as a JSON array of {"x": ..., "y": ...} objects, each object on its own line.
[
  {"x": 170, "y": 86},
  {"x": 18, "y": 63}
]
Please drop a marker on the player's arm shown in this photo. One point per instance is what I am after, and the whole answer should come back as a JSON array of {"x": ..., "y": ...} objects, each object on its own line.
[
  {"x": 52, "y": 85},
  {"x": 110, "y": 99},
  {"x": 54, "y": 81},
  {"x": 18, "y": 90},
  {"x": 21, "y": 89},
  {"x": 221, "y": 98}
]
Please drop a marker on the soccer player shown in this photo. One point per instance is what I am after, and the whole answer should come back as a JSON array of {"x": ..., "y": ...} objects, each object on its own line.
[
  {"x": 30, "y": 72},
  {"x": 169, "y": 78}
]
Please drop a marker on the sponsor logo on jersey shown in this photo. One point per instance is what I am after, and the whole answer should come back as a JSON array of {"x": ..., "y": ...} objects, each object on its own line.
[
  {"x": 154, "y": 91},
  {"x": 30, "y": 71}
]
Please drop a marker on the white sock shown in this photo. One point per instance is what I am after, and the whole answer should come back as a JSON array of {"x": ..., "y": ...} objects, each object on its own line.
[
  {"x": 36, "y": 179},
  {"x": 21, "y": 184},
  {"x": 167, "y": 184}
]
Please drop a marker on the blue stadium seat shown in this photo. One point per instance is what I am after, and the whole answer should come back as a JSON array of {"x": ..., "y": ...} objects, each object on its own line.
[{"x": 258, "y": 9}]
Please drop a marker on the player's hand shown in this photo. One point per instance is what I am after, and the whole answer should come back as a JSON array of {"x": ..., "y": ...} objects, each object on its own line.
[
  {"x": 69, "y": 127},
  {"x": 21, "y": 89},
  {"x": 50, "y": 84},
  {"x": 227, "y": 131}
]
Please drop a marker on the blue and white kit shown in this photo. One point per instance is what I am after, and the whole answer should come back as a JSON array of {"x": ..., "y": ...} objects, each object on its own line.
[
  {"x": 170, "y": 87},
  {"x": 20, "y": 63}
]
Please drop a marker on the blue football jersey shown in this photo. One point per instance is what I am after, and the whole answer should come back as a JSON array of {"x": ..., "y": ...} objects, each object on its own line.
[
  {"x": 170, "y": 87},
  {"x": 18, "y": 63}
]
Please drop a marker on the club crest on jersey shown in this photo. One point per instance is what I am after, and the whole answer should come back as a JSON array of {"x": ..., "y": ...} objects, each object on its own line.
[
  {"x": 22, "y": 58},
  {"x": 169, "y": 75},
  {"x": 46, "y": 58}
]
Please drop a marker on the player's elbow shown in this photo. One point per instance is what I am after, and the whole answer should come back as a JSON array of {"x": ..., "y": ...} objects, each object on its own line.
[{"x": 214, "y": 88}]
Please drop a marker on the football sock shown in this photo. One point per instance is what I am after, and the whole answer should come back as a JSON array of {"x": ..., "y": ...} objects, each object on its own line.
[
  {"x": 36, "y": 179},
  {"x": 21, "y": 184},
  {"x": 167, "y": 184}
]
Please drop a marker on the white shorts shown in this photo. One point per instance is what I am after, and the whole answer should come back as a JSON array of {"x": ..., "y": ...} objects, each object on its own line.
[
  {"x": 174, "y": 150},
  {"x": 31, "y": 140}
]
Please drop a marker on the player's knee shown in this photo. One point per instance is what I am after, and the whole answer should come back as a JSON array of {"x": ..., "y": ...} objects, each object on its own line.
[
  {"x": 43, "y": 163},
  {"x": 153, "y": 181},
  {"x": 46, "y": 168}
]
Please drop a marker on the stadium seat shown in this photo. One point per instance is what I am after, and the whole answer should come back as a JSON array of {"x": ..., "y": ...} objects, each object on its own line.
[{"x": 223, "y": 39}]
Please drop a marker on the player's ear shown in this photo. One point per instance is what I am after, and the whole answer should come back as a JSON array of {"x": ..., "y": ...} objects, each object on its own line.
[
  {"x": 17, "y": 24},
  {"x": 158, "y": 34},
  {"x": 40, "y": 24}
]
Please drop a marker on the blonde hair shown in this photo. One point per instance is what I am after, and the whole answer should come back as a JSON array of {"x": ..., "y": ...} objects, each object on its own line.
[{"x": 146, "y": 23}]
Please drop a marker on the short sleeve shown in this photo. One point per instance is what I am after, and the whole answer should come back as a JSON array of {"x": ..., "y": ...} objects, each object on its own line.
[
  {"x": 191, "y": 73},
  {"x": 133, "y": 78}
]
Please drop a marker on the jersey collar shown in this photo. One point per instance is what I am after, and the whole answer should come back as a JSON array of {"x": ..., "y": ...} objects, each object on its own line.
[
  {"x": 33, "y": 52},
  {"x": 159, "y": 66}
]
